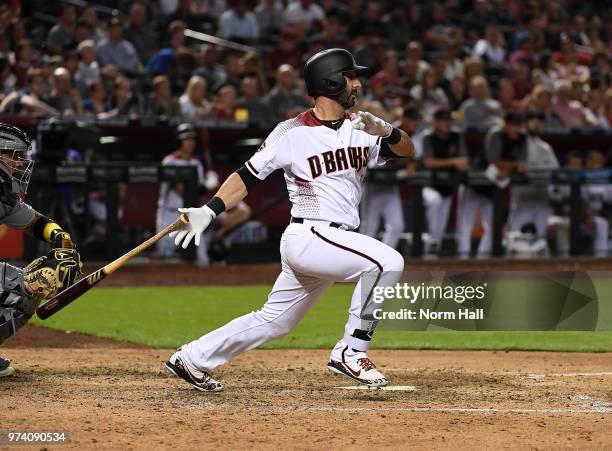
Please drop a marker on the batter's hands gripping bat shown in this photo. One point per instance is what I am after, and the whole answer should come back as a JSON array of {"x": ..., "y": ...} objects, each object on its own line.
[{"x": 71, "y": 293}]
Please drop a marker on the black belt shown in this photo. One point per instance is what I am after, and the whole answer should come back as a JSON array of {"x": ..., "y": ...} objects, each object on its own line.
[{"x": 301, "y": 221}]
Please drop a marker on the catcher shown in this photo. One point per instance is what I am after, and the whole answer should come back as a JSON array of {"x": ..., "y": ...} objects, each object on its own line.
[{"x": 21, "y": 290}]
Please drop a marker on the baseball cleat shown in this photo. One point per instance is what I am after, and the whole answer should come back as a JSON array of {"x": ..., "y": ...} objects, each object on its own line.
[
  {"x": 357, "y": 366},
  {"x": 200, "y": 380},
  {"x": 5, "y": 367}
]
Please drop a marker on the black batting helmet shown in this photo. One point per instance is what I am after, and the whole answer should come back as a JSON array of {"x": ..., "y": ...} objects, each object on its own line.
[
  {"x": 185, "y": 131},
  {"x": 324, "y": 72},
  {"x": 16, "y": 162}
]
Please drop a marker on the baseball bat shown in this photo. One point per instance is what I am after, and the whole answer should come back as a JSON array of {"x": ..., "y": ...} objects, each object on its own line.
[{"x": 73, "y": 292}]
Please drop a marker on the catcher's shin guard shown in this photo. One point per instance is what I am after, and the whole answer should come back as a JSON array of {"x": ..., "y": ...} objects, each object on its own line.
[{"x": 16, "y": 305}]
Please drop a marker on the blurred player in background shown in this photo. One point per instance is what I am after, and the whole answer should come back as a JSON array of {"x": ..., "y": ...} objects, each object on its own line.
[
  {"x": 22, "y": 289},
  {"x": 381, "y": 194},
  {"x": 530, "y": 203},
  {"x": 443, "y": 150},
  {"x": 596, "y": 202}
]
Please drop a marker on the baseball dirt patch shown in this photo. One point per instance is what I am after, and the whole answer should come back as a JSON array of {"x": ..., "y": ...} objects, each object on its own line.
[{"x": 110, "y": 395}]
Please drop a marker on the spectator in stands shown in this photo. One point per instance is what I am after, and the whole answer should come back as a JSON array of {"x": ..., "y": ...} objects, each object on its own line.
[
  {"x": 505, "y": 152},
  {"x": 161, "y": 102},
  {"x": 395, "y": 24},
  {"x": 594, "y": 111},
  {"x": 443, "y": 150},
  {"x": 90, "y": 18},
  {"x": 61, "y": 35},
  {"x": 521, "y": 80},
  {"x": 457, "y": 93},
  {"x": 140, "y": 32},
  {"x": 480, "y": 110},
  {"x": 88, "y": 69},
  {"x": 117, "y": 51},
  {"x": 224, "y": 104},
  {"x": 25, "y": 58},
  {"x": 414, "y": 53},
  {"x": 490, "y": 48},
  {"x": 123, "y": 101},
  {"x": 606, "y": 107},
  {"x": 232, "y": 69},
  {"x": 269, "y": 14},
  {"x": 369, "y": 49},
  {"x": 28, "y": 100},
  {"x": 364, "y": 19},
  {"x": 251, "y": 65},
  {"x": 377, "y": 100},
  {"x": 193, "y": 102},
  {"x": 478, "y": 17},
  {"x": 524, "y": 52},
  {"x": 96, "y": 103},
  {"x": 239, "y": 23},
  {"x": 287, "y": 52},
  {"x": 571, "y": 112},
  {"x": 540, "y": 101},
  {"x": 304, "y": 13},
  {"x": 284, "y": 100},
  {"x": 184, "y": 13},
  {"x": 546, "y": 72},
  {"x": 530, "y": 203},
  {"x": 8, "y": 81},
  {"x": 62, "y": 96},
  {"x": 428, "y": 95},
  {"x": 507, "y": 99},
  {"x": 439, "y": 33},
  {"x": 259, "y": 111},
  {"x": 209, "y": 67}
]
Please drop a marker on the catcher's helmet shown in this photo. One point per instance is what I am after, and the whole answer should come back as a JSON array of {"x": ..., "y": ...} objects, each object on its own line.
[
  {"x": 16, "y": 162},
  {"x": 185, "y": 131},
  {"x": 324, "y": 72}
]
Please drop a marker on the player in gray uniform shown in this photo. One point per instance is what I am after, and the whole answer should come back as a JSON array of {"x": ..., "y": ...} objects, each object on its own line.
[{"x": 22, "y": 289}]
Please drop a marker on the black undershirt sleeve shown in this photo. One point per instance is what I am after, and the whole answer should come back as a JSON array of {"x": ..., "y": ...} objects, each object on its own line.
[
  {"x": 247, "y": 177},
  {"x": 385, "y": 150}
]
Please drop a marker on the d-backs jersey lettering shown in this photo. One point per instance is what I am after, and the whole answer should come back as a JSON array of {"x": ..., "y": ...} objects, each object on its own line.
[{"x": 324, "y": 166}]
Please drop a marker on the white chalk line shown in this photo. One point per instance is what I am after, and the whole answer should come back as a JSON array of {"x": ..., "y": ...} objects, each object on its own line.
[{"x": 589, "y": 374}]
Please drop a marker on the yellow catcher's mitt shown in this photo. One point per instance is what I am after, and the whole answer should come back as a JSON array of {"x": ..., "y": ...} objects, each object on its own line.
[{"x": 47, "y": 276}]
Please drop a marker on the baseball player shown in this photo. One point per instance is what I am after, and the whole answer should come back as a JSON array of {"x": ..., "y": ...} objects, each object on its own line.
[
  {"x": 443, "y": 150},
  {"x": 171, "y": 197},
  {"x": 324, "y": 153},
  {"x": 21, "y": 290},
  {"x": 381, "y": 194}
]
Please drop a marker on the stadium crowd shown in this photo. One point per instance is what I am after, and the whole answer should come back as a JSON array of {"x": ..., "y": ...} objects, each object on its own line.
[{"x": 501, "y": 66}]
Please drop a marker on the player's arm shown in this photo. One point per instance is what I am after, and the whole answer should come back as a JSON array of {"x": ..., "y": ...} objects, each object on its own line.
[
  {"x": 395, "y": 143},
  {"x": 48, "y": 230},
  {"x": 232, "y": 191}
]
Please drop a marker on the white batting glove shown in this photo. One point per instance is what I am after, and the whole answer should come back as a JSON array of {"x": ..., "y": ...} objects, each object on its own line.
[
  {"x": 372, "y": 125},
  {"x": 199, "y": 220}
]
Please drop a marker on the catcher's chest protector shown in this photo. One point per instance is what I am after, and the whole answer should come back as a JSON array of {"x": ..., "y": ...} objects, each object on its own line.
[{"x": 16, "y": 306}]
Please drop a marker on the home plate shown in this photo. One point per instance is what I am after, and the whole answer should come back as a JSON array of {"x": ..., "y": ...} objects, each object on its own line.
[{"x": 386, "y": 388}]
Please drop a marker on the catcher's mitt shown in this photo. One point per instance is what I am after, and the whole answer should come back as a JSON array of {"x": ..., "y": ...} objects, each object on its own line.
[{"x": 47, "y": 276}]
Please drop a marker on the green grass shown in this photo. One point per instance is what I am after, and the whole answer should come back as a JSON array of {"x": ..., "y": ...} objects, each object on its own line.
[{"x": 166, "y": 317}]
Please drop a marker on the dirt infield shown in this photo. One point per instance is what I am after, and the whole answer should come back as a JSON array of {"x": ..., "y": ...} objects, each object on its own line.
[{"x": 116, "y": 396}]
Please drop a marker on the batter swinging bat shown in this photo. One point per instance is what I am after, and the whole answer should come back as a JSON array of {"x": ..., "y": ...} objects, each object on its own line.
[{"x": 74, "y": 291}]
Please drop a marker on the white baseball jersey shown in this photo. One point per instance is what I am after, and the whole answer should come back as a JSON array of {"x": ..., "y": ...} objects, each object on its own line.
[
  {"x": 324, "y": 166},
  {"x": 169, "y": 198}
]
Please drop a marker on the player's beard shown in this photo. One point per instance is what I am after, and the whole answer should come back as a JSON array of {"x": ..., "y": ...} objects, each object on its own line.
[{"x": 347, "y": 99}]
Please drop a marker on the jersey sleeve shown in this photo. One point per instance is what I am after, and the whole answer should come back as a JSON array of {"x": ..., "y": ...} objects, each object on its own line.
[
  {"x": 273, "y": 154},
  {"x": 20, "y": 216},
  {"x": 374, "y": 156}
]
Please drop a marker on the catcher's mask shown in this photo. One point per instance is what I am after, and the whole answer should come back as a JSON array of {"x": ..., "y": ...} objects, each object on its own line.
[{"x": 15, "y": 158}]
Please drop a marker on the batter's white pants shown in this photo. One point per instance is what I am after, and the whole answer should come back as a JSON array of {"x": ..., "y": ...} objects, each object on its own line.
[
  {"x": 438, "y": 210},
  {"x": 471, "y": 202},
  {"x": 166, "y": 247},
  {"x": 382, "y": 201},
  {"x": 313, "y": 256},
  {"x": 524, "y": 210}
]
